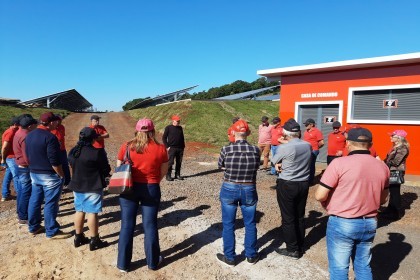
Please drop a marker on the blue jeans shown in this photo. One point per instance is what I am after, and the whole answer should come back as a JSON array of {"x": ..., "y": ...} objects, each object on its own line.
[
  {"x": 350, "y": 238},
  {"x": 48, "y": 187},
  {"x": 148, "y": 196},
  {"x": 25, "y": 185},
  {"x": 273, "y": 152},
  {"x": 233, "y": 195},
  {"x": 312, "y": 167},
  {"x": 11, "y": 173}
]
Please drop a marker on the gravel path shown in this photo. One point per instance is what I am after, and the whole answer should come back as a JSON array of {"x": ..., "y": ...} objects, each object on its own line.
[{"x": 190, "y": 231}]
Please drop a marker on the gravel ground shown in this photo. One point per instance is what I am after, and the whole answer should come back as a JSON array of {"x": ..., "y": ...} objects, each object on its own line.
[{"x": 190, "y": 231}]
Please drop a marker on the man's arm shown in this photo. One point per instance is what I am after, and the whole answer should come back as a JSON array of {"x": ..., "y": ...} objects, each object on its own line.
[
  {"x": 321, "y": 143},
  {"x": 165, "y": 137},
  {"x": 321, "y": 193},
  {"x": 5, "y": 149},
  {"x": 59, "y": 170},
  {"x": 104, "y": 134}
]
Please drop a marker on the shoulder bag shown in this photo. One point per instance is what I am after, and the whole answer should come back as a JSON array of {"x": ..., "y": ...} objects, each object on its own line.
[
  {"x": 397, "y": 177},
  {"x": 121, "y": 181}
]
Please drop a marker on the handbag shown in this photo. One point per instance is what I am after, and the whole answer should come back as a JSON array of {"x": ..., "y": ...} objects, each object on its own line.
[
  {"x": 396, "y": 177},
  {"x": 121, "y": 181}
]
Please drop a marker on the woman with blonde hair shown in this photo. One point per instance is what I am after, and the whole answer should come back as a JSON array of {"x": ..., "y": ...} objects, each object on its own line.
[
  {"x": 396, "y": 160},
  {"x": 149, "y": 165}
]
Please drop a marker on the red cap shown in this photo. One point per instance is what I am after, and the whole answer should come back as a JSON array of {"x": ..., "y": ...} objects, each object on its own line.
[
  {"x": 48, "y": 117},
  {"x": 240, "y": 126},
  {"x": 145, "y": 125},
  {"x": 175, "y": 118}
]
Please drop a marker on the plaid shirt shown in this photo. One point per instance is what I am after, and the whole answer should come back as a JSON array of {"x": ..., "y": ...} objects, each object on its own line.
[{"x": 241, "y": 161}]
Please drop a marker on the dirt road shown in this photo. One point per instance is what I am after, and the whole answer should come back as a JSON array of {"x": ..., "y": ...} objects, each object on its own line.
[{"x": 190, "y": 230}]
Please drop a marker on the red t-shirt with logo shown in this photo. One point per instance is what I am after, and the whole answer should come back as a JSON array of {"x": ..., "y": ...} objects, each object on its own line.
[
  {"x": 313, "y": 136},
  {"x": 336, "y": 142},
  {"x": 7, "y": 136},
  {"x": 146, "y": 166},
  {"x": 276, "y": 133},
  {"x": 99, "y": 143}
]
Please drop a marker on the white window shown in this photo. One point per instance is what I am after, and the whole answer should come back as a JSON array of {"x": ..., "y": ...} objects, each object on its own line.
[{"x": 384, "y": 105}]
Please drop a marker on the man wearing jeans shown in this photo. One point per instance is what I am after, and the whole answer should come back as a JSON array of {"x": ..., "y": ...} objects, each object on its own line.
[
  {"x": 27, "y": 124},
  {"x": 292, "y": 161},
  {"x": 8, "y": 160},
  {"x": 276, "y": 135},
  {"x": 241, "y": 161},
  {"x": 351, "y": 189},
  {"x": 43, "y": 152}
]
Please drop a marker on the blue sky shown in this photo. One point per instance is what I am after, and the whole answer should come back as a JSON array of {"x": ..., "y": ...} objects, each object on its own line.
[{"x": 115, "y": 51}]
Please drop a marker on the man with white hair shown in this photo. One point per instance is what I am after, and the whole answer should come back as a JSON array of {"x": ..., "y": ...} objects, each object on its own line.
[{"x": 292, "y": 161}]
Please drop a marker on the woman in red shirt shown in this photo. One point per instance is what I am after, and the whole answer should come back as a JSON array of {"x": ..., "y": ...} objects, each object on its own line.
[{"x": 149, "y": 165}]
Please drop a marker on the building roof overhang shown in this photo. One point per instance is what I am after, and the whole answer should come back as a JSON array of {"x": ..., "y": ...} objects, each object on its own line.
[{"x": 343, "y": 65}]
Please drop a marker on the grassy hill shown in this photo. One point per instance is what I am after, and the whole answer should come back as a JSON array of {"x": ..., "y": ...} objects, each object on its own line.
[
  {"x": 208, "y": 121},
  {"x": 7, "y": 112}
]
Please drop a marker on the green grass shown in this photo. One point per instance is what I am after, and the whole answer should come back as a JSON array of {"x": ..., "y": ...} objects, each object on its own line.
[
  {"x": 7, "y": 112},
  {"x": 208, "y": 121}
]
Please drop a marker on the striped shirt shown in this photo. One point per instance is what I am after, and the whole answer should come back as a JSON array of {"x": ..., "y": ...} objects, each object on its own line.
[{"x": 241, "y": 161}]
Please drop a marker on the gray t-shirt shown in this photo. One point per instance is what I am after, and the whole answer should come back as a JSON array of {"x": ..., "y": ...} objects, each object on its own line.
[{"x": 295, "y": 159}]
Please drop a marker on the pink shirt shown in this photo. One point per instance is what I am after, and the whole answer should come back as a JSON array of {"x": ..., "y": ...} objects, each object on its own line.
[
  {"x": 264, "y": 134},
  {"x": 356, "y": 184},
  {"x": 313, "y": 136}
]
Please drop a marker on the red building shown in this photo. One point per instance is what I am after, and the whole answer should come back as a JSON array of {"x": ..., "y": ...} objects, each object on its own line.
[{"x": 381, "y": 94}]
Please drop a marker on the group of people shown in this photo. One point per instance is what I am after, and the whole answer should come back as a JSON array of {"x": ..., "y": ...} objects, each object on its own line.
[
  {"x": 350, "y": 192},
  {"x": 35, "y": 158},
  {"x": 270, "y": 137},
  {"x": 33, "y": 153}
]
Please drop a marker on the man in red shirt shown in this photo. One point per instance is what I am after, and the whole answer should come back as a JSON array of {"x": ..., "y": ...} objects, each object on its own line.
[
  {"x": 27, "y": 124},
  {"x": 100, "y": 130},
  {"x": 336, "y": 142},
  {"x": 314, "y": 137},
  {"x": 276, "y": 134},
  {"x": 8, "y": 160},
  {"x": 60, "y": 133}
]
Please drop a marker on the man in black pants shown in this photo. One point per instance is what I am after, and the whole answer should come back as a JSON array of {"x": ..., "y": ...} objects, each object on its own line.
[
  {"x": 292, "y": 161},
  {"x": 173, "y": 138}
]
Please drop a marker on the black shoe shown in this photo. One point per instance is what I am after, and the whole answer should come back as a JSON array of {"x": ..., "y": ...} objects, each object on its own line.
[
  {"x": 80, "y": 239},
  {"x": 169, "y": 178},
  {"x": 159, "y": 263},
  {"x": 179, "y": 177},
  {"x": 97, "y": 243},
  {"x": 221, "y": 258},
  {"x": 284, "y": 252},
  {"x": 253, "y": 260}
]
